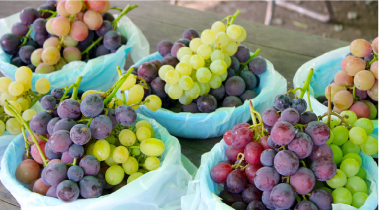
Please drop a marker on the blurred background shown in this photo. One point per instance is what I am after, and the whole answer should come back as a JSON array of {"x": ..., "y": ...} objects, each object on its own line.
[{"x": 350, "y": 19}]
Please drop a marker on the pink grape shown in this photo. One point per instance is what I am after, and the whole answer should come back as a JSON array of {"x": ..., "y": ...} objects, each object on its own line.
[
  {"x": 324, "y": 168},
  {"x": 282, "y": 133},
  {"x": 343, "y": 100},
  {"x": 373, "y": 92},
  {"x": 301, "y": 145},
  {"x": 319, "y": 132},
  {"x": 374, "y": 69},
  {"x": 73, "y": 6},
  {"x": 355, "y": 65},
  {"x": 253, "y": 152},
  {"x": 364, "y": 80},
  {"x": 220, "y": 172},
  {"x": 27, "y": 171},
  {"x": 322, "y": 199},
  {"x": 360, "y": 48},
  {"x": 305, "y": 205},
  {"x": 264, "y": 143},
  {"x": 35, "y": 153},
  {"x": 303, "y": 181},
  {"x": 345, "y": 60},
  {"x": 228, "y": 137},
  {"x": 335, "y": 88},
  {"x": 79, "y": 31},
  {"x": 242, "y": 137},
  {"x": 72, "y": 54},
  {"x": 61, "y": 9},
  {"x": 61, "y": 26},
  {"x": 40, "y": 187},
  {"x": 93, "y": 19},
  {"x": 95, "y": 4},
  {"x": 251, "y": 170},
  {"x": 360, "y": 109},
  {"x": 342, "y": 78},
  {"x": 266, "y": 178},
  {"x": 105, "y": 8},
  {"x": 321, "y": 151},
  {"x": 375, "y": 45},
  {"x": 286, "y": 162},
  {"x": 232, "y": 152}
]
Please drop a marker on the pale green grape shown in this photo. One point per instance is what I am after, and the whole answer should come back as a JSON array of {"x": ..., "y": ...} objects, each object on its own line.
[
  {"x": 50, "y": 55},
  {"x": 340, "y": 135},
  {"x": 366, "y": 124},
  {"x": 130, "y": 166},
  {"x": 42, "y": 86},
  {"x": 13, "y": 126},
  {"x": 333, "y": 122},
  {"x": 231, "y": 48},
  {"x": 359, "y": 198},
  {"x": 215, "y": 81},
  {"x": 183, "y": 51},
  {"x": 185, "y": 82},
  {"x": 204, "y": 51},
  {"x": 218, "y": 67},
  {"x": 110, "y": 161},
  {"x": 129, "y": 82},
  {"x": 4, "y": 83},
  {"x": 194, "y": 92},
  {"x": 337, "y": 153},
  {"x": 24, "y": 74},
  {"x": 339, "y": 180},
  {"x": 349, "y": 116},
  {"x": 89, "y": 150},
  {"x": 135, "y": 152},
  {"x": 243, "y": 35},
  {"x": 175, "y": 91},
  {"x": 68, "y": 41},
  {"x": 111, "y": 140},
  {"x": 16, "y": 88},
  {"x": 203, "y": 75},
  {"x": 153, "y": 102},
  {"x": 24, "y": 103},
  {"x": 127, "y": 137},
  {"x": 197, "y": 61},
  {"x": 133, "y": 177},
  {"x": 143, "y": 133},
  {"x": 152, "y": 163},
  {"x": 208, "y": 36},
  {"x": 152, "y": 147},
  {"x": 218, "y": 26},
  {"x": 357, "y": 135},
  {"x": 185, "y": 100},
  {"x": 15, "y": 105},
  {"x": 193, "y": 76},
  {"x": 356, "y": 184},
  {"x": 370, "y": 147},
  {"x": 227, "y": 60},
  {"x": 342, "y": 195},
  {"x": 7, "y": 96},
  {"x": 186, "y": 59},
  {"x": 195, "y": 44},
  {"x": 355, "y": 156},
  {"x": 163, "y": 71},
  {"x": 224, "y": 76},
  {"x": 350, "y": 166},
  {"x": 172, "y": 77},
  {"x": 101, "y": 149},
  {"x": 183, "y": 69},
  {"x": 166, "y": 87},
  {"x": 114, "y": 175},
  {"x": 349, "y": 147},
  {"x": 121, "y": 154},
  {"x": 217, "y": 55},
  {"x": 2, "y": 127},
  {"x": 144, "y": 123},
  {"x": 361, "y": 173},
  {"x": 234, "y": 31},
  {"x": 331, "y": 137},
  {"x": 204, "y": 88},
  {"x": 222, "y": 40}
]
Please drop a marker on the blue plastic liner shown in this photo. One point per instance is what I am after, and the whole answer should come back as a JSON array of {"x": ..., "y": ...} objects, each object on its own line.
[
  {"x": 208, "y": 125},
  {"x": 202, "y": 191},
  {"x": 158, "y": 189},
  {"x": 99, "y": 73}
]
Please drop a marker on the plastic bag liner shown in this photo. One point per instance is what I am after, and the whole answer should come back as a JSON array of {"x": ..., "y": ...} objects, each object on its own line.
[
  {"x": 208, "y": 125},
  {"x": 324, "y": 69},
  {"x": 202, "y": 191},
  {"x": 6, "y": 137},
  {"x": 99, "y": 73},
  {"x": 159, "y": 189}
]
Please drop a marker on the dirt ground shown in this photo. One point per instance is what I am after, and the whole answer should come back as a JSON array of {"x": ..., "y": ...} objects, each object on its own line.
[{"x": 341, "y": 27}]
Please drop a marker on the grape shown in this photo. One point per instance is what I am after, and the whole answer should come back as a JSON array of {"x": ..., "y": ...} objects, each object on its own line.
[
  {"x": 342, "y": 195},
  {"x": 340, "y": 135},
  {"x": 235, "y": 86},
  {"x": 9, "y": 43},
  {"x": 120, "y": 154},
  {"x": 322, "y": 199},
  {"x": 61, "y": 26},
  {"x": 364, "y": 80},
  {"x": 373, "y": 69},
  {"x": 346, "y": 60},
  {"x": 351, "y": 150},
  {"x": 324, "y": 168},
  {"x": 130, "y": 166},
  {"x": 373, "y": 92},
  {"x": 67, "y": 191},
  {"x": 220, "y": 172},
  {"x": 69, "y": 41},
  {"x": 94, "y": 21},
  {"x": 183, "y": 51},
  {"x": 319, "y": 132},
  {"x": 270, "y": 117},
  {"x": 69, "y": 108},
  {"x": 218, "y": 93},
  {"x": 48, "y": 102},
  {"x": 50, "y": 154},
  {"x": 40, "y": 38},
  {"x": 44, "y": 68},
  {"x": 339, "y": 180},
  {"x": 370, "y": 147},
  {"x": 250, "y": 80},
  {"x": 114, "y": 175},
  {"x": 266, "y": 178},
  {"x": 79, "y": 31},
  {"x": 242, "y": 53},
  {"x": 20, "y": 29},
  {"x": 152, "y": 147},
  {"x": 54, "y": 173},
  {"x": 286, "y": 162},
  {"x": 305, "y": 205},
  {"x": 175, "y": 48},
  {"x": 28, "y": 15},
  {"x": 230, "y": 198},
  {"x": 125, "y": 115},
  {"x": 361, "y": 173},
  {"x": 303, "y": 181},
  {"x": 75, "y": 173},
  {"x": 5, "y": 81},
  {"x": 90, "y": 165},
  {"x": 349, "y": 116},
  {"x": 256, "y": 205},
  {"x": 282, "y": 196},
  {"x": 232, "y": 101},
  {"x": 290, "y": 115},
  {"x": 192, "y": 108},
  {"x": 207, "y": 103},
  {"x": 372, "y": 108},
  {"x": 258, "y": 65},
  {"x": 184, "y": 41},
  {"x": 90, "y": 187},
  {"x": 13, "y": 126},
  {"x": 16, "y": 61},
  {"x": 232, "y": 152},
  {"x": 27, "y": 171},
  {"x": 282, "y": 133},
  {"x": 80, "y": 134},
  {"x": 301, "y": 145},
  {"x": 101, "y": 126},
  {"x": 60, "y": 141},
  {"x": 342, "y": 78},
  {"x": 236, "y": 181},
  {"x": 35, "y": 153},
  {"x": 16, "y": 88},
  {"x": 25, "y": 53},
  {"x": 61, "y": 9},
  {"x": 169, "y": 60},
  {"x": 38, "y": 123},
  {"x": 343, "y": 100},
  {"x": 321, "y": 151},
  {"x": 267, "y": 157},
  {"x": 66, "y": 158},
  {"x": 76, "y": 151},
  {"x": 164, "y": 47},
  {"x": 334, "y": 89},
  {"x": 357, "y": 135},
  {"x": 57, "y": 93},
  {"x": 241, "y": 137},
  {"x": 152, "y": 163},
  {"x": 92, "y": 105},
  {"x": 248, "y": 95},
  {"x": 39, "y": 25},
  {"x": 354, "y": 66},
  {"x": 52, "y": 192},
  {"x": 282, "y": 102},
  {"x": 360, "y": 48},
  {"x": 350, "y": 166},
  {"x": 356, "y": 184},
  {"x": 190, "y": 34},
  {"x": 147, "y": 71},
  {"x": 337, "y": 153},
  {"x": 359, "y": 198},
  {"x": 73, "y": 7},
  {"x": 46, "y": 6},
  {"x": 72, "y": 54},
  {"x": 239, "y": 205}
]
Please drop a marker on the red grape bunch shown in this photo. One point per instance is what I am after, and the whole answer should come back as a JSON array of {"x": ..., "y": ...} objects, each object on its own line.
[{"x": 63, "y": 31}]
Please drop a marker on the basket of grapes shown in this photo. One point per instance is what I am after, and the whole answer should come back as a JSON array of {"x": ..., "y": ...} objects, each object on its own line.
[
  {"x": 97, "y": 148},
  {"x": 352, "y": 74},
  {"x": 206, "y": 81},
  {"x": 62, "y": 40},
  {"x": 295, "y": 164}
]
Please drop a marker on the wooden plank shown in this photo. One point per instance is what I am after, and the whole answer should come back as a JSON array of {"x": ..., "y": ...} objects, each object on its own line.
[
  {"x": 6, "y": 197},
  {"x": 8, "y": 206}
]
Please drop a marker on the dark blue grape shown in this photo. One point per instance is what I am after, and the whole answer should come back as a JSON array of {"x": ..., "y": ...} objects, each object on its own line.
[
  {"x": 67, "y": 191},
  {"x": 290, "y": 115},
  {"x": 40, "y": 38},
  {"x": 39, "y": 25},
  {"x": 54, "y": 173},
  {"x": 256, "y": 205},
  {"x": 10, "y": 42},
  {"x": 184, "y": 41},
  {"x": 64, "y": 124},
  {"x": 218, "y": 93},
  {"x": 101, "y": 50},
  {"x": 25, "y": 53},
  {"x": 38, "y": 123},
  {"x": 17, "y": 61},
  {"x": 108, "y": 16},
  {"x": 282, "y": 102},
  {"x": 28, "y": 15},
  {"x": 125, "y": 115},
  {"x": 157, "y": 63},
  {"x": 47, "y": 6},
  {"x": 248, "y": 95},
  {"x": 283, "y": 196},
  {"x": 235, "y": 64},
  {"x": 104, "y": 28},
  {"x": 322, "y": 199},
  {"x": 112, "y": 40},
  {"x": 51, "y": 124},
  {"x": 80, "y": 134},
  {"x": 231, "y": 73},
  {"x": 75, "y": 173},
  {"x": 76, "y": 151},
  {"x": 57, "y": 93},
  {"x": 90, "y": 165},
  {"x": 175, "y": 48},
  {"x": 170, "y": 60},
  {"x": 32, "y": 43},
  {"x": 250, "y": 80},
  {"x": 232, "y": 101},
  {"x": 147, "y": 71},
  {"x": 251, "y": 193},
  {"x": 267, "y": 157},
  {"x": 157, "y": 87},
  {"x": 299, "y": 104},
  {"x": 20, "y": 29},
  {"x": 235, "y": 86},
  {"x": 239, "y": 206},
  {"x": 242, "y": 54},
  {"x": 92, "y": 105},
  {"x": 207, "y": 103},
  {"x": 147, "y": 91},
  {"x": 82, "y": 45},
  {"x": 60, "y": 141},
  {"x": 192, "y": 107},
  {"x": 31, "y": 67},
  {"x": 266, "y": 199},
  {"x": 305, "y": 205},
  {"x": 190, "y": 34},
  {"x": 307, "y": 117},
  {"x": 112, "y": 117},
  {"x": 369, "y": 58},
  {"x": 90, "y": 187},
  {"x": 258, "y": 65},
  {"x": 50, "y": 154},
  {"x": 272, "y": 144},
  {"x": 164, "y": 47},
  {"x": 236, "y": 181},
  {"x": 101, "y": 126},
  {"x": 69, "y": 108},
  {"x": 48, "y": 102},
  {"x": 286, "y": 162},
  {"x": 52, "y": 192},
  {"x": 360, "y": 94},
  {"x": 101, "y": 177},
  {"x": 51, "y": 2}
]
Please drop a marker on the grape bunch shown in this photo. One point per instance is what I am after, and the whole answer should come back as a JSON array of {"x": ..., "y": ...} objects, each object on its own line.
[
  {"x": 355, "y": 87},
  {"x": 19, "y": 94},
  {"x": 63, "y": 31},
  {"x": 205, "y": 71},
  {"x": 89, "y": 147}
]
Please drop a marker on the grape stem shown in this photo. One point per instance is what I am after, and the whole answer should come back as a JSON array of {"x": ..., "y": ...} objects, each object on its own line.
[
  {"x": 298, "y": 199},
  {"x": 76, "y": 88},
  {"x": 27, "y": 143},
  {"x": 92, "y": 45},
  {"x": 337, "y": 115},
  {"x": 257, "y": 134},
  {"x": 116, "y": 8},
  {"x": 60, "y": 43},
  {"x": 354, "y": 97},
  {"x": 368, "y": 64},
  {"x": 72, "y": 17},
  {"x": 306, "y": 88},
  {"x": 302, "y": 161},
  {"x": 89, "y": 122},
  {"x": 233, "y": 17},
  {"x": 74, "y": 163},
  {"x": 120, "y": 81},
  {"x": 126, "y": 10},
  {"x": 53, "y": 14},
  {"x": 43, "y": 138},
  {"x": 26, "y": 37},
  {"x": 244, "y": 65},
  {"x": 15, "y": 113},
  {"x": 304, "y": 198},
  {"x": 123, "y": 97}
]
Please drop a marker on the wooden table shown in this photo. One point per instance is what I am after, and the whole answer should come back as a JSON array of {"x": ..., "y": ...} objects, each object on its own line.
[{"x": 286, "y": 49}]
